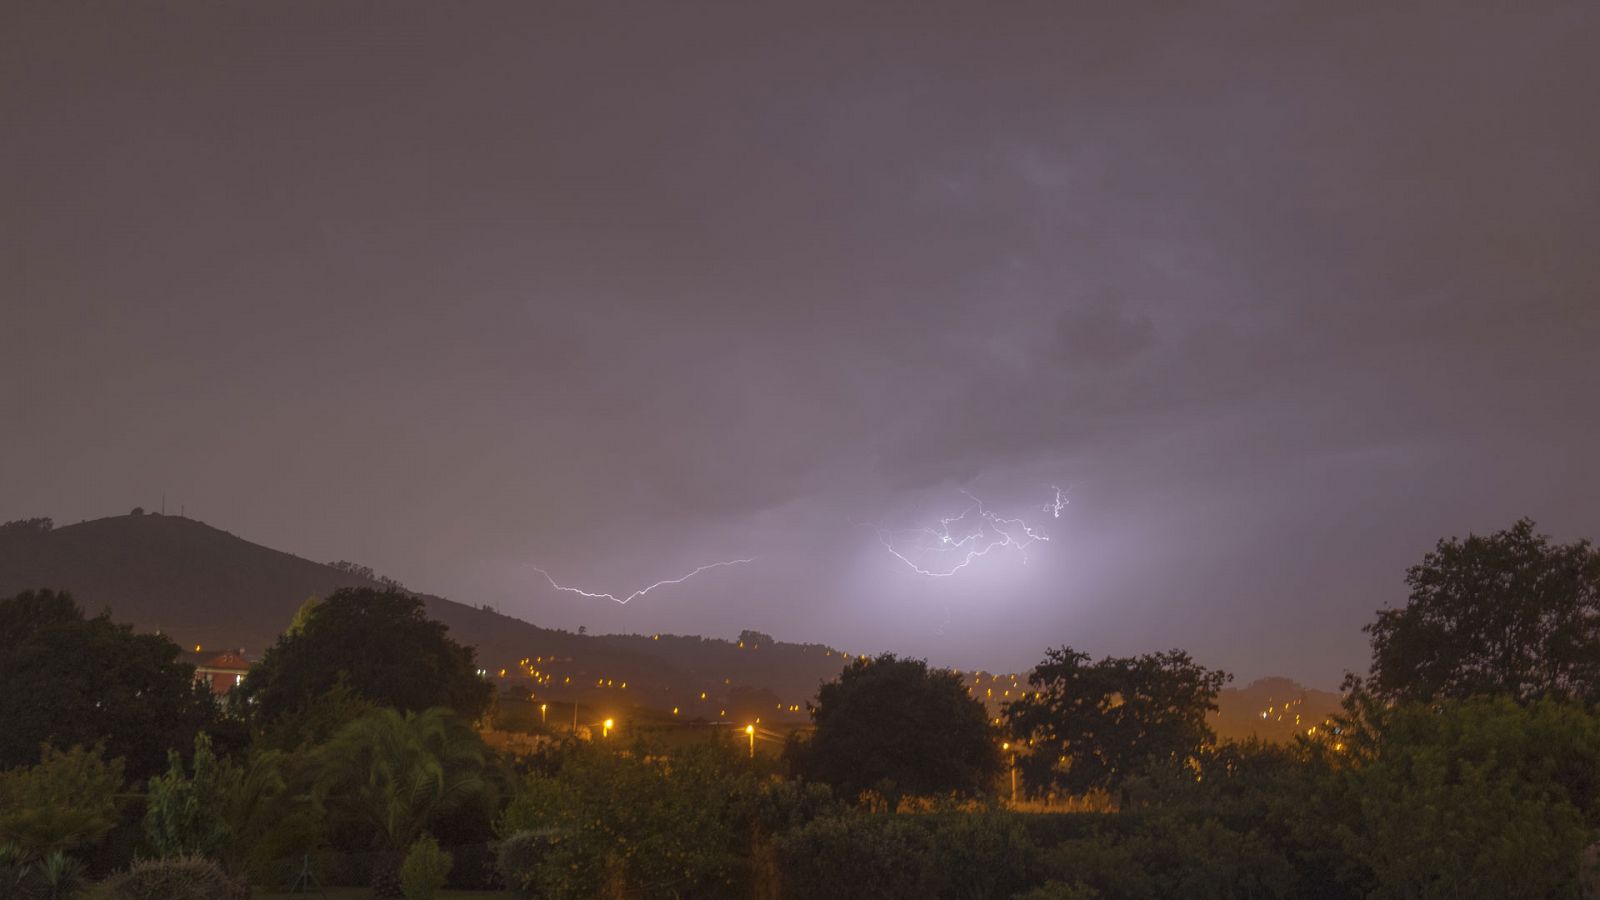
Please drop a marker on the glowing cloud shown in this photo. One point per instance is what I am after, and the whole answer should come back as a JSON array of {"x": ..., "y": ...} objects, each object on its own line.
[
  {"x": 642, "y": 591},
  {"x": 942, "y": 550}
]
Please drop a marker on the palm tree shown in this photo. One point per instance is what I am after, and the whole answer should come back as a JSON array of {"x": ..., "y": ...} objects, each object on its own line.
[{"x": 394, "y": 771}]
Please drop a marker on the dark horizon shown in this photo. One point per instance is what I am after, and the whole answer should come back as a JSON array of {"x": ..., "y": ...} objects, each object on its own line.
[{"x": 1276, "y": 298}]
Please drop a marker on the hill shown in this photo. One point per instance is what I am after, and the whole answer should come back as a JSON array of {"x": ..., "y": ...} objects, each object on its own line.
[
  {"x": 208, "y": 588},
  {"x": 204, "y": 586},
  {"x": 1273, "y": 709}
]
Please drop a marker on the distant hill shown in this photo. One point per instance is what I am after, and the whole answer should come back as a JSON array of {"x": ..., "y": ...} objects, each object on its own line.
[
  {"x": 1273, "y": 709},
  {"x": 204, "y": 586}
]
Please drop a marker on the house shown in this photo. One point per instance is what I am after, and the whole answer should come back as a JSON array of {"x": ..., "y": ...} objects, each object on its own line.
[{"x": 222, "y": 673}]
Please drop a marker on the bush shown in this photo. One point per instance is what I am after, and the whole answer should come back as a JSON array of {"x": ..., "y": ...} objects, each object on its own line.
[
  {"x": 474, "y": 868},
  {"x": 1175, "y": 857},
  {"x": 647, "y": 825},
  {"x": 1059, "y": 890},
  {"x": 982, "y": 856},
  {"x": 1471, "y": 798},
  {"x": 60, "y": 877},
  {"x": 517, "y": 858},
  {"x": 15, "y": 873},
  {"x": 866, "y": 856},
  {"x": 186, "y": 814},
  {"x": 66, "y": 802},
  {"x": 25, "y": 877},
  {"x": 177, "y": 878},
  {"x": 425, "y": 869}
]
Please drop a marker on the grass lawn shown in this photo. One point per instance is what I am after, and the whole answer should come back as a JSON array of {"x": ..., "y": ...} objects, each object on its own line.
[{"x": 367, "y": 894}]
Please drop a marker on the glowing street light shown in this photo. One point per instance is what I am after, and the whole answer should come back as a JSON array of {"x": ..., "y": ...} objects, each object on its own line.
[
  {"x": 1007, "y": 747},
  {"x": 542, "y": 708},
  {"x": 607, "y": 731},
  {"x": 751, "y": 731}
]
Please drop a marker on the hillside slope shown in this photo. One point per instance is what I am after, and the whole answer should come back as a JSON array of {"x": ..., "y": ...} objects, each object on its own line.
[{"x": 205, "y": 586}]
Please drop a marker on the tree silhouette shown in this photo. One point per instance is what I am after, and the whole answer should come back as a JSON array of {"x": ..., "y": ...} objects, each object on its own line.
[
  {"x": 75, "y": 680},
  {"x": 378, "y": 644},
  {"x": 897, "y": 727},
  {"x": 1510, "y": 613},
  {"x": 1090, "y": 726}
]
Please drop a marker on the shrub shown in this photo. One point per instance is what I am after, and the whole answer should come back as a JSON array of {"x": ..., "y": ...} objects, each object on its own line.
[
  {"x": 24, "y": 877},
  {"x": 425, "y": 869},
  {"x": 176, "y": 878},
  {"x": 647, "y": 825},
  {"x": 1169, "y": 856},
  {"x": 14, "y": 873},
  {"x": 982, "y": 855},
  {"x": 777, "y": 806},
  {"x": 60, "y": 877},
  {"x": 866, "y": 856},
  {"x": 187, "y": 814},
  {"x": 517, "y": 858},
  {"x": 1059, "y": 890},
  {"x": 67, "y": 801}
]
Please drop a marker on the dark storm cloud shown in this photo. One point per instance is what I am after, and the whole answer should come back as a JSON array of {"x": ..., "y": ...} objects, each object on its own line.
[{"x": 1282, "y": 293}]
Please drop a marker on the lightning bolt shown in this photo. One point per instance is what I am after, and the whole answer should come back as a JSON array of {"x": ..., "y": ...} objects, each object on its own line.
[
  {"x": 967, "y": 537},
  {"x": 642, "y": 591},
  {"x": 1056, "y": 506}
]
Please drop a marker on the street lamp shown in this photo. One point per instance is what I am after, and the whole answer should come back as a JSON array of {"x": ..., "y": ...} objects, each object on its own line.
[
  {"x": 542, "y": 708},
  {"x": 1007, "y": 746},
  {"x": 751, "y": 731},
  {"x": 607, "y": 732}
]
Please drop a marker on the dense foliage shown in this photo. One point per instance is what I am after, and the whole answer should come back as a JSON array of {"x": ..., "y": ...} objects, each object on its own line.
[
  {"x": 1511, "y": 614},
  {"x": 378, "y": 644},
  {"x": 1460, "y": 774},
  {"x": 66, "y": 802},
  {"x": 425, "y": 869},
  {"x": 1093, "y": 726},
  {"x": 390, "y": 773},
  {"x": 75, "y": 680},
  {"x": 894, "y": 726},
  {"x": 662, "y": 827}
]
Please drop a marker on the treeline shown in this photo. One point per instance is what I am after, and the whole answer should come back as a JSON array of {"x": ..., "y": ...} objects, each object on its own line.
[{"x": 1465, "y": 763}]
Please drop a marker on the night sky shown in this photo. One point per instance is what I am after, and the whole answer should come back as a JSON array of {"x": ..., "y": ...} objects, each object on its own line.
[{"x": 1278, "y": 294}]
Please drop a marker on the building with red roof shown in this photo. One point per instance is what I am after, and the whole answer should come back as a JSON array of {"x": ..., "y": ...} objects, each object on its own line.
[{"x": 222, "y": 673}]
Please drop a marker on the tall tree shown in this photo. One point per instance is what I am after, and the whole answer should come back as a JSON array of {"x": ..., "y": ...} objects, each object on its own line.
[
  {"x": 380, "y": 645},
  {"x": 1511, "y": 613},
  {"x": 70, "y": 680},
  {"x": 1091, "y": 726},
  {"x": 895, "y": 725}
]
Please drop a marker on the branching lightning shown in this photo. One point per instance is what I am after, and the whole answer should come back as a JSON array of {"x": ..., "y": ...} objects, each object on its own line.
[
  {"x": 642, "y": 591},
  {"x": 1055, "y": 506},
  {"x": 942, "y": 550}
]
